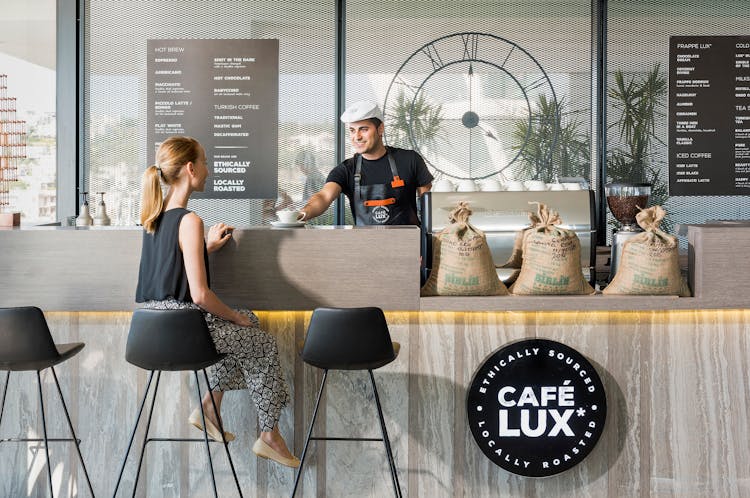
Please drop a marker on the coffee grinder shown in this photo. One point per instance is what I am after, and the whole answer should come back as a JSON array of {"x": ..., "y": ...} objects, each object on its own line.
[{"x": 624, "y": 201}]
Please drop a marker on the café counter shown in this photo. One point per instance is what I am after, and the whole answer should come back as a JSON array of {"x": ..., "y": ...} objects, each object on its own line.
[
  {"x": 674, "y": 369},
  {"x": 69, "y": 269}
]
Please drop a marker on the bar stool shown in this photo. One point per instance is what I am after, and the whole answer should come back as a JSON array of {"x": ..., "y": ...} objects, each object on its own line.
[
  {"x": 349, "y": 339},
  {"x": 171, "y": 340},
  {"x": 26, "y": 345}
]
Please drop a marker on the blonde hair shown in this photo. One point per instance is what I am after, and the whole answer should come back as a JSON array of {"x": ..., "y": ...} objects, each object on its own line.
[{"x": 174, "y": 153}]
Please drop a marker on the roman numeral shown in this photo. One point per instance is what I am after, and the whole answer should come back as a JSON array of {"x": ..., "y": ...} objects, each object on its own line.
[
  {"x": 431, "y": 52},
  {"x": 471, "y": 43},
  {"x": 508, "y": 56},
  {"x": 405, "y": 84},
  {"x": 535, "y": 84}
]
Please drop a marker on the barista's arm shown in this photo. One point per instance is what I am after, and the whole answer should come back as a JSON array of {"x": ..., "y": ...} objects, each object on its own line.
[
  {"x": 424, "y": 188},
  {"x": 320, "y": 201}
]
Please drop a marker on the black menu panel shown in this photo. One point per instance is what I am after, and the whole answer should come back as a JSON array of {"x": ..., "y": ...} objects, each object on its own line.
[
  {"x": 225, "y": 93},
  {"x": 709, "y": 115}
]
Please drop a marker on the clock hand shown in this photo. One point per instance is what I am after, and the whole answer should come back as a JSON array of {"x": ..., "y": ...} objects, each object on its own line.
[
  {"x": 471, "y": 85},
  {"x": 487, "y": 133}
]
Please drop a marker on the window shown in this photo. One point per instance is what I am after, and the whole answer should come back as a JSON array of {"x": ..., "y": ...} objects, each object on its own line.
[{"x": 27, "y": 58}]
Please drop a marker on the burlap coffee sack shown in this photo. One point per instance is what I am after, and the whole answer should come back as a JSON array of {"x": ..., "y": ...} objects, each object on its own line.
[
  {"x": 551, "y": 258},
  {"x": 461, "y": 260},
  {"x": 516, "y": 257},
  {"x": 649, "y": 263}
]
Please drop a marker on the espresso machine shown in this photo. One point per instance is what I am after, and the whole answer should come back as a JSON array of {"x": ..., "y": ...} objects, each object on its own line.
[{"x": 624, "y": 201}]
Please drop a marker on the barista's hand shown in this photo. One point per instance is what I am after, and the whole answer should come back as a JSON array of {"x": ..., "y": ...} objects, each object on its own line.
[{"x": 218, "y": 235}]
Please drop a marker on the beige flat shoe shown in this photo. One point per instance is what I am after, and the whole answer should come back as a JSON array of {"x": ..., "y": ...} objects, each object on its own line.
[
  {"x": 211, "y": 429},
  {"x": 261, "y": 449}
]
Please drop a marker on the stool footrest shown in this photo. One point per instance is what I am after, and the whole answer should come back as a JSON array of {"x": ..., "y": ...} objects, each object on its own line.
[
  {"x": 178, "y": 439},
  {"x": 345, "y": 439},
  {"x": 39, "y": 440}
]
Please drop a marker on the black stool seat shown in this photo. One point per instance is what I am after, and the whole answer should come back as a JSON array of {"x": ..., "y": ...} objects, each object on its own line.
[
  {"x": 349, "y": 339},
  {"x": 26, "y": 344},
  {"x": 171, "y": 340},
  {"x": 64, "y": 352}
]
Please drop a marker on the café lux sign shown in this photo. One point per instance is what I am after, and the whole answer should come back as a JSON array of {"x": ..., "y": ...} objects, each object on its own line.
[{"x": 536, "y": 407}]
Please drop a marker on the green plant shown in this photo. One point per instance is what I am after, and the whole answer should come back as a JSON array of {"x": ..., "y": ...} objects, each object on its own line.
[
  {"x": 420, "y": 119},
  {"x": 550, "y": 143},
  {"x": 639, "y": 100}
]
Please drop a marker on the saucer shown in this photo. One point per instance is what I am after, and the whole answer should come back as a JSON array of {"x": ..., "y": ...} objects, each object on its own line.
[{"x": 281, "y": 224}]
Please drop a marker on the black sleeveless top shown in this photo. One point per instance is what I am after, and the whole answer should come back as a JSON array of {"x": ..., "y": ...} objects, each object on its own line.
[{"x": 162, "y": 272}]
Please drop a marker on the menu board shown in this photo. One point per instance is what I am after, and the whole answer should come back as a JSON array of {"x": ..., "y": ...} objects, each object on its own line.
[
  {"x": 224, "y": 93},
  {"x": 709, "y": 115}
]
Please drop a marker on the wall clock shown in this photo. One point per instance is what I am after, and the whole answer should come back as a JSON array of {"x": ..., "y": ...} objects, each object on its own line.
[{"x": 458, "y": 99}]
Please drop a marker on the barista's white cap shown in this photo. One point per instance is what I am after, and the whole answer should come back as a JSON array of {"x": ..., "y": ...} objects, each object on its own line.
[{"x": 361, "y": 110}]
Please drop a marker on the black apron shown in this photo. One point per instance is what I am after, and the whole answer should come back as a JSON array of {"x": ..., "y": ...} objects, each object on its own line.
[{"x": 382, "y": 203}]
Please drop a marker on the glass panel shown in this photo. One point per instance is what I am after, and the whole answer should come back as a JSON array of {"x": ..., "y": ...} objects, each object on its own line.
[
  {"x": 473, "y": 85},
  {"x": 115, "y": 137},
  {"x": 27, "y": 109},
  {"x": 638, "y": 52}
]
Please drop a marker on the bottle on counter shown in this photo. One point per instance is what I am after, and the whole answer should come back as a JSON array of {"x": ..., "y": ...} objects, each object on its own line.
[
  {"x": 84, "y": 218},
  {"x": 101, "y": 218}
]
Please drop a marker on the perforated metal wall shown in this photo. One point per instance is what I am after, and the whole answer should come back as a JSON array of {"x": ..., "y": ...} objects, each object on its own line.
[
  {"x": 556, "y": 34},
  {"x": 115, "y": 94},
  {"x": 462, "y": 81},
  {"x": 638, "y": 41}
]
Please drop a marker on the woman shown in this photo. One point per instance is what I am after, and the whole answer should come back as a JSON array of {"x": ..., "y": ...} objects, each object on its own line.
[{"x": 174, "y": 274}]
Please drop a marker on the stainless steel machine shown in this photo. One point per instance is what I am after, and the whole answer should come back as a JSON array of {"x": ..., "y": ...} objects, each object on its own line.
[{"x": 501, "y": 215}]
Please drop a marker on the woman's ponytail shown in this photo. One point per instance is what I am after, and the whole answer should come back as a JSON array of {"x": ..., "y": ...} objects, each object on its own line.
[{"x": 152, "y": 200}]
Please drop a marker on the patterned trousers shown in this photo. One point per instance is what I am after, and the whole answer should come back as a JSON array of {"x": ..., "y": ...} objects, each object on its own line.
[{"x": 252, "y": 361}]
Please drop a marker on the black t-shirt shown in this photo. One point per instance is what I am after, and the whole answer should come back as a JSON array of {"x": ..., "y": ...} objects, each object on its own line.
[
  {"x": 162, "y": 272},
  {"x": 410, "y": 165}
]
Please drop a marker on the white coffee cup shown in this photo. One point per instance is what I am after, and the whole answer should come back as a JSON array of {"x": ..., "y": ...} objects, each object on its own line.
[
  {"x": 443, "y": 185},
  {"x": 288, "y": 216},
  {"x": 572, "y": 186},
  {"x": 467, "y": 186},
  {"x": 514, "y": 185},
  {"x": 535, "y": 185},
  {"x": 555, "y": 186},
  {"x": 491, "y": 185}
]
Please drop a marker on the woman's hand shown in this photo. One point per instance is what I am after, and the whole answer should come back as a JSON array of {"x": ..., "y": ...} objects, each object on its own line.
[
  {"x": 242, "y": 319},
  {"x": 218, "y": 235}
]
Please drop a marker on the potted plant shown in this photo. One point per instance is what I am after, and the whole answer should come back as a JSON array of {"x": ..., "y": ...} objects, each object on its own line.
[
  {"x": 639, "y": 100},
  {"x": 423, "y": 128},
  {"x": 550, "y": 143}
]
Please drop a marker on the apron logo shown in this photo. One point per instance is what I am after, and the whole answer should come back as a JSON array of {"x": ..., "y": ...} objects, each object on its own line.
[
  {"x": 380, "y": 214},
  {"x": 536, "y": 407}
]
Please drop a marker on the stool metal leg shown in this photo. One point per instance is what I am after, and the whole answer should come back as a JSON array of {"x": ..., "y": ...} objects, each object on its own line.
[
  {"x": 132, "y": 435},
  {"x": 5, "y": 391},
  {"x": 205, "y": 433},
  {"x": 145, "y": 436},
  {"x": 72, "y": 432},
  {"x": 391, "y": 462},
  {"x": 44, "y": 429},
  {"x": 221, "y": 428},
  {"x": 309, "y": 433}
]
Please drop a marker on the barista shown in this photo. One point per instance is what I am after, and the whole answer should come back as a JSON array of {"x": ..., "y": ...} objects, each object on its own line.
[{"x": 382, "y": 183}]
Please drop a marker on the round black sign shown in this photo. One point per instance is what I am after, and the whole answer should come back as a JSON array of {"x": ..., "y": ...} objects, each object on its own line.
[{"x": 536, "y": 407}]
